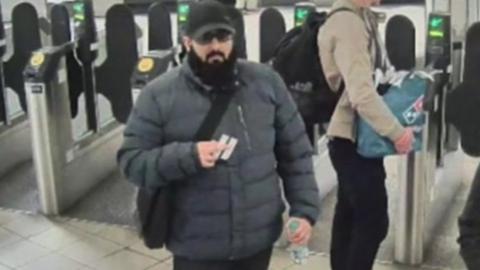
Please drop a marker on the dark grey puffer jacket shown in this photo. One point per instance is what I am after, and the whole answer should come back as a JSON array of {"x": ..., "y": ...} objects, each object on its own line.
[{"x": 235, "y": 209}]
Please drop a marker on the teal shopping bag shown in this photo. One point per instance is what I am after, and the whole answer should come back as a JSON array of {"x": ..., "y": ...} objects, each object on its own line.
[{"x": 405, "y": 99}]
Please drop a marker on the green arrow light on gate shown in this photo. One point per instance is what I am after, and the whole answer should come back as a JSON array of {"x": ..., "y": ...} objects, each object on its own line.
[
  {"x": 183, "y": 11},
  {"x": 79, "y": 11},
  {"x": 302, "y": 14},
  {"x": 78, "y": 7},
  {"x": 436, "y": 23},
  {"x": 436, "y": 27}
]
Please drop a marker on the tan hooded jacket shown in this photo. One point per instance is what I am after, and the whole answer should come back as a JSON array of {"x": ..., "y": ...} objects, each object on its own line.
[{"x": 347, "y": 51}]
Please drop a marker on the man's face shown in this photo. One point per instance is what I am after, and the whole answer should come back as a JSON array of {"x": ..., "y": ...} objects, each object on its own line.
[{"x": 212, "y": 47}]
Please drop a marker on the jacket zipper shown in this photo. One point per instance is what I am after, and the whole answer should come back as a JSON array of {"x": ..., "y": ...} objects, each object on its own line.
[
  {"x": 245, "y": 128},
  {"x": 232, "y": 251}
]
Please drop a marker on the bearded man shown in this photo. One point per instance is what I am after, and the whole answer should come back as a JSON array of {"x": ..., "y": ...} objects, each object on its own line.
[{"x": 226, "y": 208}]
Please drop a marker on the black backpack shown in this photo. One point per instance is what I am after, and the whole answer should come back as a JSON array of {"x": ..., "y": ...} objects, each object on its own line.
[{"x": 296, "y": 59}]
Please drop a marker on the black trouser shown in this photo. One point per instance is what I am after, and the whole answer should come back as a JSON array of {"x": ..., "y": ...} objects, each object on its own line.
[
  {"x": 469, "y": 224},
  {"x": 259, "y": 261},
  {"x": 361, "y": 218}
]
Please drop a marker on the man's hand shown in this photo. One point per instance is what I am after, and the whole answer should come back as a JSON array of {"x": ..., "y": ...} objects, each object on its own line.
[
  {"x": 405, "y": 143},
  {"x": 302, "y": 233},
  {"x": 208, "y": 153}
]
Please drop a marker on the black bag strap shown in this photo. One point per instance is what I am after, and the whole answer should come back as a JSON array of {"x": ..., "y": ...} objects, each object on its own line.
[
  {"x": 215, "y": 114},
  {"x": 333, "y": 12}
]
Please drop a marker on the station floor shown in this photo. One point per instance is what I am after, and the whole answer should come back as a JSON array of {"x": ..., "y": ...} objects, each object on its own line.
[{"x": 34, "y": 242}]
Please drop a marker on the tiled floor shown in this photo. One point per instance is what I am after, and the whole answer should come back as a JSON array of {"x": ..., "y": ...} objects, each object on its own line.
[{"x": 34, "y": 242}]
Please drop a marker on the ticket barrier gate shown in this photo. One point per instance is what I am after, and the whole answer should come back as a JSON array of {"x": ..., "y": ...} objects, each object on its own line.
[
  {"x": 67, "y": 168},
  {"x": 152, "y": 65},
  {"x": 110, "y": 200},
  {"x": 272, "y": 30},
  {"x": 429, "y": 179},
  {"x": 161, "y": 55},
  {"x": 15, "y": 140}
]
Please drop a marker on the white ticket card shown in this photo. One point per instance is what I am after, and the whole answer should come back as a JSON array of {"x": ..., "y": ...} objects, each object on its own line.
[{"x": 232, "y": 143}]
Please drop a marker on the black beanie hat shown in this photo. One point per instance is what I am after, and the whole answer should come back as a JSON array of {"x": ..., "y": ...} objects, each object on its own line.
[{"x": 206, "y": 16}]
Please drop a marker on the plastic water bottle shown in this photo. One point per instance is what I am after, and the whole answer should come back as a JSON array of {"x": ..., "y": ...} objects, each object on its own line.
[{"x": 298, "y": 253}]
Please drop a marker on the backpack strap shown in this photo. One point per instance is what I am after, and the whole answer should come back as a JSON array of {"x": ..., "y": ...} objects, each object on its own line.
[
  {"x": 381, "y": 57},
  {"x": 333, "y": 12}
]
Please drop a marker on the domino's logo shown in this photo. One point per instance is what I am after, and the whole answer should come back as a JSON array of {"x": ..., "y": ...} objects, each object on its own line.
[{"x": 414, "y": 111}]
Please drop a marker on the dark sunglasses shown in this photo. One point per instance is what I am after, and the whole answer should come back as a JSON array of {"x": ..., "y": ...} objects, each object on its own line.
[{"x": 221, "y": 35}]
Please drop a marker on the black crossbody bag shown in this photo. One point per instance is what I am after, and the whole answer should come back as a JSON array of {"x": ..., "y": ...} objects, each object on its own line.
[{"x": 155, "y": 207}]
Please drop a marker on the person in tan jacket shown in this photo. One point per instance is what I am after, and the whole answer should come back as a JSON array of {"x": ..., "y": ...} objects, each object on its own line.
[{"x": 350, "y": 50}]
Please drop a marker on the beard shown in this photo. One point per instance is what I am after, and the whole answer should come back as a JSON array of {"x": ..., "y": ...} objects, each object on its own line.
[{"x": 213, "y": 71}]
